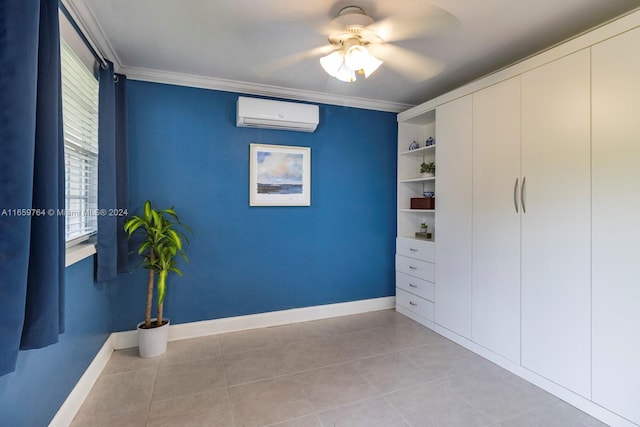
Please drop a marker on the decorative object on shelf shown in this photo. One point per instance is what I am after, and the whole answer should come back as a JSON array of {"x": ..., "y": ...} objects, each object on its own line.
[
  {"x": 424, "y": 232},
  {"x": 430, "y": 141},
  {"x": 424, "y": 235},
  {"x": 423, "y": 203},
  {"x": 428, "y": 169},
  {"x": 413, "y": 146},
  {"x": 428, "y": 194},
  {"x": 279, "y": 175}
]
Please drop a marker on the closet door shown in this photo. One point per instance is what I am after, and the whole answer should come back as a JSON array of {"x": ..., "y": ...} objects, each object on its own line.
[
  {"x": 496, "y": 219},
  {"x": 556, "y": 222},
  {"x": 453, "y": 216},
  {"x": 616, "y": 224}
]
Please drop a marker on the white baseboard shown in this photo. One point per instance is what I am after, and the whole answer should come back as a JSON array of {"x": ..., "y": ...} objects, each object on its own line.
[
  {"x": 75, "y": 399},
  {"x": 182, "y": 331}
]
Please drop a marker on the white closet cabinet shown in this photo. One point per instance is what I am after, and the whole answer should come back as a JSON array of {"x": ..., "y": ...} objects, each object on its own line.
[
  {"x": 496, "y": 219},
  {"x": 453, "y": 216},
  {"x": 556, "y": 222},
  {"x": 616, "y": 225}
]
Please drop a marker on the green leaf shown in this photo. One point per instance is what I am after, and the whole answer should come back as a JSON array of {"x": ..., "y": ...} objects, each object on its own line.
[
  {"x": 147, "y": 209},
  {"x": 156, "y": 219},
  {"x": 176, "y": 239}
]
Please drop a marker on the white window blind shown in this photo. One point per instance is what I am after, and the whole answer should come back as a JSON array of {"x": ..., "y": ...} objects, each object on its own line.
[{"x": 80, "y": 121}]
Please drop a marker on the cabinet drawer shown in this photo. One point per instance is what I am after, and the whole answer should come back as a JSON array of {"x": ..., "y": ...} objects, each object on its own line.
[
  {"x": 413, "y": 267},
  {"x": 417, "y": 249},
  {"x": 420, "y": 306},
  {"x": 416, "y": 286}
]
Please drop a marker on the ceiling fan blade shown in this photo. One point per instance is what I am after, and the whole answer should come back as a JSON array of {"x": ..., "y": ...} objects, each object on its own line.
[
  {"x": 395, "y": 28},
  {"x": 280, "y": 64},
  {"x": 412, "y": 65}
]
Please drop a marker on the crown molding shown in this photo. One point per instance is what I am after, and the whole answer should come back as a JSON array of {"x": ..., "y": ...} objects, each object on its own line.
[
  {"x": 84, "y": 17},
  {"x": 180, "y": 79}
]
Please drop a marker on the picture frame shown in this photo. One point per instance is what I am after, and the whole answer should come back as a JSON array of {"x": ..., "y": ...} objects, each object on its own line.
[{"x": 280, "y": 175}]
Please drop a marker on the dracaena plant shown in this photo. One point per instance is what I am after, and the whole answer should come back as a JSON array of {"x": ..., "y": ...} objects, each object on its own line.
[{"x": 163, "y": 241}]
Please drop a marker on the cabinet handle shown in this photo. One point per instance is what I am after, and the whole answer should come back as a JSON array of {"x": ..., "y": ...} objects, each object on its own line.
[
  {"x": 412, "y": 285},
  {"x": 523, "y": 194},
  {"x": 413, "y": 303},
  {"x": 412, "y": 267},
  {"x": 413, "y": 250},
  {"x": 515, "y": 195}
]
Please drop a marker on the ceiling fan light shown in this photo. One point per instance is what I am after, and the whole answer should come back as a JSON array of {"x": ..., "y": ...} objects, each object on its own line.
[
  {"x": 332, "y": 63},
  {"x": 346, "y": 74},
  {"x": 371, "y": 65},
  {"x": 356, "y": 57}
]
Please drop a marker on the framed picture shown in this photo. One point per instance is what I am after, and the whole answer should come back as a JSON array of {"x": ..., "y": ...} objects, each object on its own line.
[{"x": 280, "y": 175}]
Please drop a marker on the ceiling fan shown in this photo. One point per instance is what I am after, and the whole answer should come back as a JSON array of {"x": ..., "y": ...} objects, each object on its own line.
[{"x": 360, "y": 45}]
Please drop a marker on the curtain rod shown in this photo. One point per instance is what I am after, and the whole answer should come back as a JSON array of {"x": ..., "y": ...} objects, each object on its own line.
[{"x": 75, "y": 26}]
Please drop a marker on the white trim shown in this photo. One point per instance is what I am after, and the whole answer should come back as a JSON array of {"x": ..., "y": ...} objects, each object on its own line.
[
  {"x": 79, "y": 252},
  {"x": 182, "y": 331},
  {"x": 190, "y": 80},
  {"x": 88, "y": 24},
  {"x": 76, "y": 398},
  {"x": 562, "y": 393}
]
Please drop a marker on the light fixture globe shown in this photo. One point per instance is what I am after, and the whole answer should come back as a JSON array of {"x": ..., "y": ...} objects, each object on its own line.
[
  {"x": 346, "y": 74},
  {"x": 356, "y": 57},
  {"x": 332, "y": 63},
  {"x": 371, "y": 65}
]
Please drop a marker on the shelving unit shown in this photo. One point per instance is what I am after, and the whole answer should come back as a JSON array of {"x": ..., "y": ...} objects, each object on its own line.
[
  {"x": 410, "y": 184},
  {"x": 415, "y": 258}
]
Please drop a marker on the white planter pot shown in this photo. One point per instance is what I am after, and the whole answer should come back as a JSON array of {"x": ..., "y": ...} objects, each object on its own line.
[
  {"x": 153, "y": 342},
  {"x": 427, "y": 174}
]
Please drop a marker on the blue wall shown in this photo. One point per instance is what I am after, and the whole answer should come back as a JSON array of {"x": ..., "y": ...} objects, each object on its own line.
[
  {"x": 186, "y": 151},
  {"x": 43, "y": 378}
]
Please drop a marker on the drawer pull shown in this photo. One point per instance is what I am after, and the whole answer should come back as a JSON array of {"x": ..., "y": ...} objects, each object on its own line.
[
  {"x": 413, "y": 250},
  {"x": 413, "y": 303},
  {"x": 412, "y": 285},
  {"x": 412, "y": 267}
]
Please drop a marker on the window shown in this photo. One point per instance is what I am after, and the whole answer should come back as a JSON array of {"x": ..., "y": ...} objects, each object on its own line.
[{"x": 80, "y": 120}]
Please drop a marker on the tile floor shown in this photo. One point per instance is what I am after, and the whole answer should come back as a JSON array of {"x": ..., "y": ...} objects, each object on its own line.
[{"x": 373, "y": 369}]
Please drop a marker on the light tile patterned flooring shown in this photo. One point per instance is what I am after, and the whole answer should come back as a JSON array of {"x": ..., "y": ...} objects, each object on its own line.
[{"x": 373, "y": 369}]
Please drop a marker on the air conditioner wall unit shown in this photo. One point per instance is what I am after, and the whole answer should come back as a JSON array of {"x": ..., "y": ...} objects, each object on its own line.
[{"x": 269, "y": 114}]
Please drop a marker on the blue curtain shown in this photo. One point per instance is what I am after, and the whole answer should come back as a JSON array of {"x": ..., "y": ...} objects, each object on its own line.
[
  {"x": 32, "y": 244},
  {"x": 112, "y": 175},
  {"x": 122, "y": 172}
]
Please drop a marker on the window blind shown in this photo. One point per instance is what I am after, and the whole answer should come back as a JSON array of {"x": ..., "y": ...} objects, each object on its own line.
[{"x": 80, "y": 122}]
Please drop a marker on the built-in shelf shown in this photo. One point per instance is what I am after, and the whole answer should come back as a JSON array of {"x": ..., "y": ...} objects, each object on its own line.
[
  {"x": 419, "y": 152},
  {"x": 420, "y": 179},
  {"x": 418, "y": 239},
  {"x": 418, "y": 210}
]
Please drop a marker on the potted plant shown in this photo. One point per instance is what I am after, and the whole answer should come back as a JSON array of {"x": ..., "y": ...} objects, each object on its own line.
[
  {"x": 163, "y": 240},
  {"x": 428, "y": 169}
]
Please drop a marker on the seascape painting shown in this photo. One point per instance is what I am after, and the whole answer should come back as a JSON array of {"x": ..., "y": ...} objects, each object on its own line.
[{"x": 280, "y": 175}]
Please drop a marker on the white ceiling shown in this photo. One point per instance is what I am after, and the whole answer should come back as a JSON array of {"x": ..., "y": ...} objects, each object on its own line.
[{"x": 265, "y": 46}]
